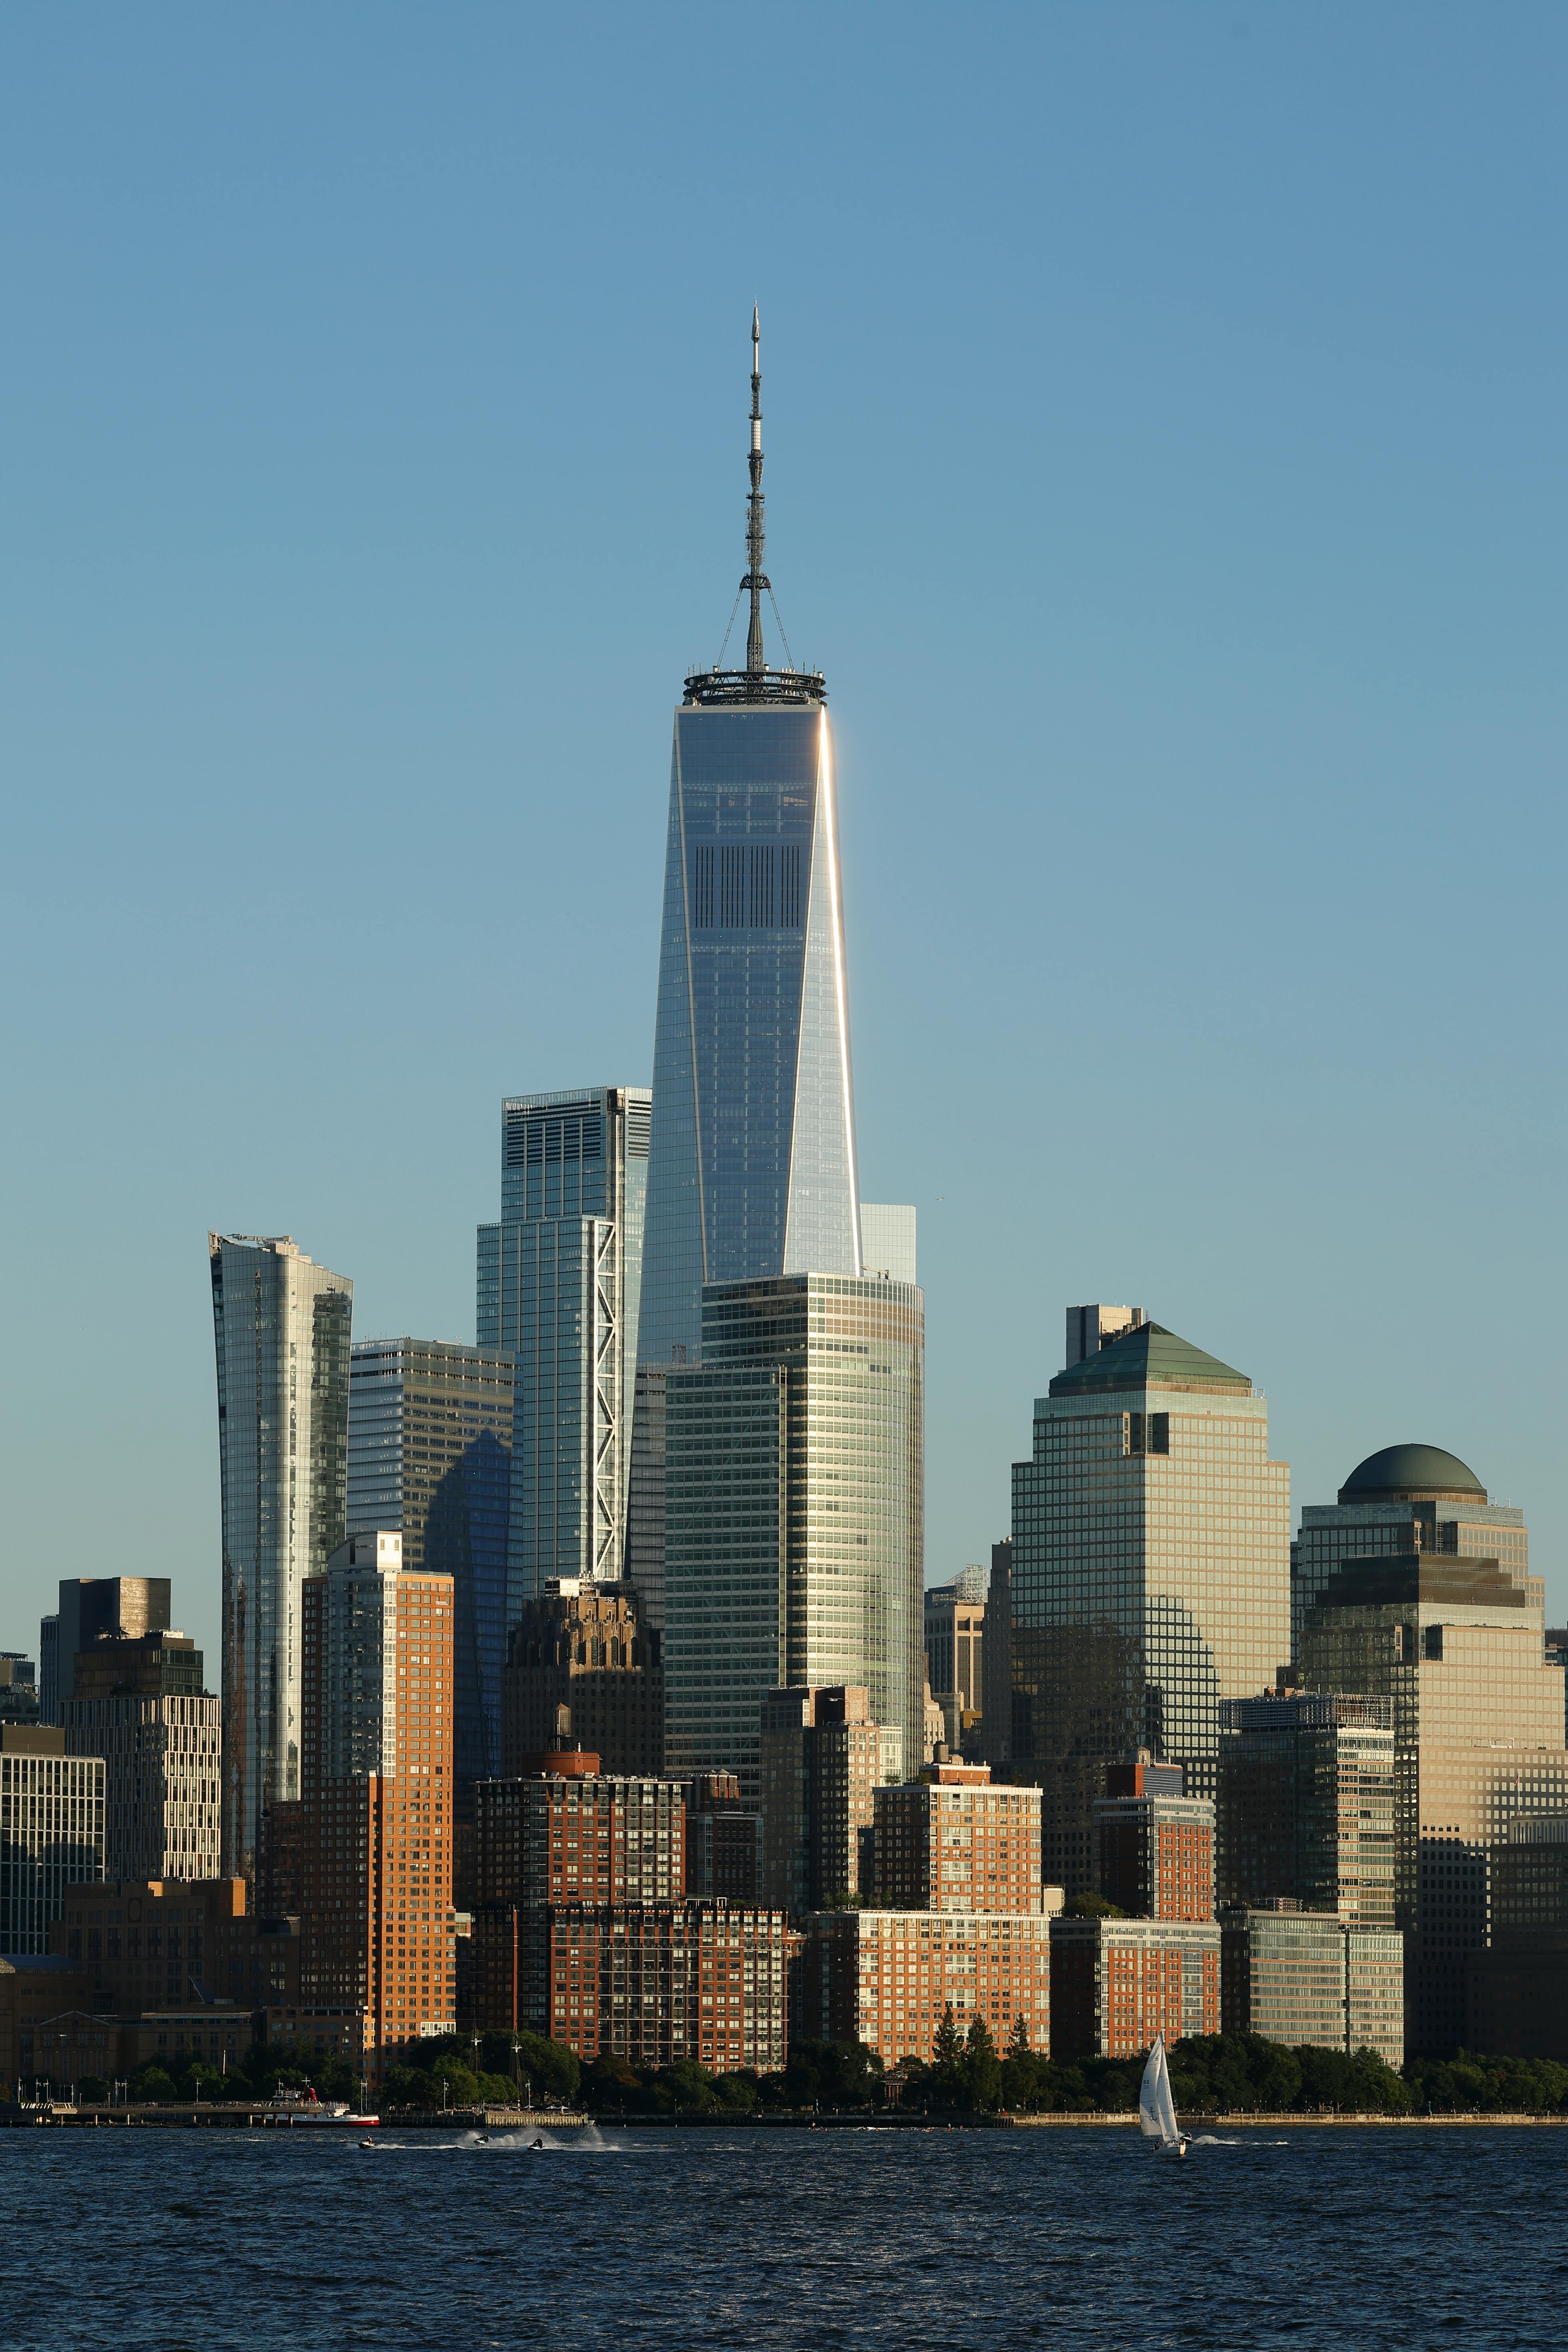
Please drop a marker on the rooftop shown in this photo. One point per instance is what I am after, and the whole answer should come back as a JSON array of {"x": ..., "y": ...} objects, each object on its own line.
[{"x": 1148, "y": 1356}]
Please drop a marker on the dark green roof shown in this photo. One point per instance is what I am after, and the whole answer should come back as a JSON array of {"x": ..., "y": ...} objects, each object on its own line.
[
  {"x": 1410, "y": 1471},
  {"x": 1150, "y": 1357}
]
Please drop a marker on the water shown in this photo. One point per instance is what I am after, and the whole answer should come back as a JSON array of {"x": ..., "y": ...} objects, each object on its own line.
[{"x": 960, "y": 2241}]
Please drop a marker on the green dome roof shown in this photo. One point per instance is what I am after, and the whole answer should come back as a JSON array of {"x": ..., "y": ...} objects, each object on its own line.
[{"x": 1410, "y": 1472}]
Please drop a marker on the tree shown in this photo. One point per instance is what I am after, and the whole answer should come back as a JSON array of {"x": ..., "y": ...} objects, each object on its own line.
[
  {"x": 1019, "y": 2041},
  {"x": 948, "y": 2068},
  {"x": 152, "y": 2084},
  {"x": 1091, "y": 1906},
  {"x": 982, "y": 2067}
]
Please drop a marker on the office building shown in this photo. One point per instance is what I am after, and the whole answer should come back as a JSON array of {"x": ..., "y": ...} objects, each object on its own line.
[
  {"x": 955, "y": 1639},
  {"x": 18, "y": 1688},
  {"x": 567, "y": 1834},
  {"x": 1306, "y": 1803},
  {"x": 430, "y": 1426},
  {"x": 886, "y": 1978},
  {"x": 560, "y": 1280},
  {"x": 584, "y": 1647},
  {"x": 162, "y": 1943},
  {"x": 94, "y": 1609},
  {"x": 1153, "y": 1845},
  {"x": 1405, "y": 1499},
  {"x": 139, "y": 1702},
  {"x": 281, "y": 1328},
  {"x": 1309, "y": 1979},
  {"x": 752, "y": 1166},
  {"x": 822, "y": 1759},
  {"x": 950, "y": 1842},
  {"x": 1517, "y": 1990},
  {"x": 374, "y": 1831},
  {"x": 794, "y": 1512},
  {"x": 1457, "y": 1644},
  {"x": 1150, "y": 1573},
  {"x": 1116, "y": 1983},
  {"x": 51, "y": 1829},
  {"x": 723, "y": 1840}
]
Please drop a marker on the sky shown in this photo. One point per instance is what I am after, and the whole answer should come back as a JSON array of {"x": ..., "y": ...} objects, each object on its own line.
[{"x": 1165, "y": 463}]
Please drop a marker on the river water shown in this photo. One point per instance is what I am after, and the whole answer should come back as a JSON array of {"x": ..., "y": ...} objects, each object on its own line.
[{"x": 955, "y": 2240}]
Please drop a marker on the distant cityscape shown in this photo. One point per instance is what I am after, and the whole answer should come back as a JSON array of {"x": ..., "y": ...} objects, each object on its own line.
[{"x": 586, "y": 1722}]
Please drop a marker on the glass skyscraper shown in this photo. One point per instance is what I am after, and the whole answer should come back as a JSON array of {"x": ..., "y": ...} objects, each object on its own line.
[
  {"x": 559, "y": 1284},
  {"x": 752, "y": 1167},
  {"x": 1150, "y": 1573},
  {"x": 281, "y": 1327},
  {"x": 430, "y": 1456},
  {"x": 794, "y": 1512}
]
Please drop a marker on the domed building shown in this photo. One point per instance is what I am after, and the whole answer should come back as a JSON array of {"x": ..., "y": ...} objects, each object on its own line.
[{"x": 1405, "y": 1499}]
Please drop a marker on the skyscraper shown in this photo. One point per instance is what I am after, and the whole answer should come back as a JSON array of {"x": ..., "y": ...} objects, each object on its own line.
[
  {"x": 794, "y": 1486},
  {"x": 1306, "y": 1803},
  {"x": 1456, "y": 1643},
  {"x": 1150, "y": 1573},
  {"x": 752, "y": 1167},
  {"x": 281, "y": 1327},
  {"x": 1406, "y": 1499},
  {"x": 138, "y": 1701},
  {"x": 430, "y": 1455},
  {"x": 560, "y": 1280},
  {"x": 51, "y": 1829},
  {"x": 93, "y": 1607}
]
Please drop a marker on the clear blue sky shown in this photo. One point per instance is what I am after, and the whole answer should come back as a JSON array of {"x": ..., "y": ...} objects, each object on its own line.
[{"x": 1165, "y": 430}]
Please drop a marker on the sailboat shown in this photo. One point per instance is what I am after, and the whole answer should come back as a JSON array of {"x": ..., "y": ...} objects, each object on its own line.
[{"x": 1156, "y": 2107}]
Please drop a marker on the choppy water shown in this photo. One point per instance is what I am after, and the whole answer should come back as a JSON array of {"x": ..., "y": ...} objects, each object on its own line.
[{"x": 961, "y": 2241}]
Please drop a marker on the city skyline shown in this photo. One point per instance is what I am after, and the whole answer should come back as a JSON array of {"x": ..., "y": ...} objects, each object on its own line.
[{"x": 1183, "y": 573}]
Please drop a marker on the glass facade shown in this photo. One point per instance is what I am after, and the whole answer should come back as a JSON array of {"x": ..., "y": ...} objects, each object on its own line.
[
  {"x": 1332, "y": 1533},
  {"x": 794, "y": 1512},
  {"x": 1458, "y": 1646},
  {"x": 752, "y": 1166},
  {"x": 1306, "y": 1803},
  {"x": 281, "y": 1327},
  {"x": 430, "y": 1428},
  {"x": 1149, "y": 1574},
  {"x": 559, "y": 1286},
  {"x": 51, "y": 1831},
  {"x": 1310, "y": 1981}
]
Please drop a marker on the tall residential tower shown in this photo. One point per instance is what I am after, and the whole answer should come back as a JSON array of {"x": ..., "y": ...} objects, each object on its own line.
[{"x": 281, "y": 1327}]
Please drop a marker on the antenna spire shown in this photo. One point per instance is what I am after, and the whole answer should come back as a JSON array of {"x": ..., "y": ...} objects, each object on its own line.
[{"x": 756, "y": 579}]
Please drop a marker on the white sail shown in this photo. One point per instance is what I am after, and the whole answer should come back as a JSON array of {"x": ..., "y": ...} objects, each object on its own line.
[{"x": 1156, "y": 2107}]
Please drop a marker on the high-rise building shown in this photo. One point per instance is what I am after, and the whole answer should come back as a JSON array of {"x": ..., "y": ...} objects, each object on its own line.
[
  {"x": 655, "y": 1983},
  {"x": 887, "y": 1978},
  {"x": 560, "y": 1280},
  {"x": 98, "y": 1608},
  {"x": 752, "y": 1166},
  {"x": 1517, "y": 1989},
  {"x": 138, "y": 1701},
  {"x": 563, "y": 1836},
  {"x": 1406, "y": 1499},
  {"x": 996, "y": 1658},
  {"x": 955, "y": 1638},
  {"x": 1306, "y": 1803},
  {"x": 1151, "y": 1573},
  {"x": 822, "y": 1759},
  {"x": 1153, "y": 1845},
  {"x": 376, "y": 1816},
  {"x": 950, "y": 1842},
  {"x": 430, "y": 1426},
  {"x": 1309, "y": 1979},
  {"x": 282, "y": 1326},
  {"x": 723, "y": 1840},
  {"x": 583, "y": 1647},
  {"x": 49, "y": 1669},
  {"x": 1090, "y": 1328},
  {"x": 51, "y": 1829},
  {"x": 1116, "y": 1983},
  {"x": 794, "y": 1512},
  {"x": 1457, "y": 1644}
]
